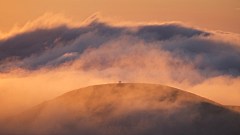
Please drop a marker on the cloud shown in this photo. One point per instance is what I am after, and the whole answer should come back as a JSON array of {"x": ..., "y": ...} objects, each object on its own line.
[
  {"x": 78, "y": 39},
  {"x": 237, "y": 8},
  {"x": 45, "y": 60},
  {"x": 44, "y": 47}
]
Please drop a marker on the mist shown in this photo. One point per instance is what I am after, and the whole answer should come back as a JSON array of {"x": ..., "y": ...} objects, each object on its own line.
[
  {"x": 125, "y": 108},
  {"x": 53, "y": 55}
]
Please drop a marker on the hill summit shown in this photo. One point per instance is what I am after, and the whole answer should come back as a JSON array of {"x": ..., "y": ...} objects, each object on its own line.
[{"x": 125, "y": 109}]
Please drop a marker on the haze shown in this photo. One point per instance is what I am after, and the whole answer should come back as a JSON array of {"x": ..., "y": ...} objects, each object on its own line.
[
  {"x": 125, "y": 109},
  {"x": 50, "y": 47}
]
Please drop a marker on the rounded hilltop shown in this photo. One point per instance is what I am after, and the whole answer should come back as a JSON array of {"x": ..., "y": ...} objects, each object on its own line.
[{"x": 127, "y": 109}]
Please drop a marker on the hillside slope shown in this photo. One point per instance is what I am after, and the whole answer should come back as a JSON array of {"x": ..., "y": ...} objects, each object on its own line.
[{"x": 141, "y": 109}]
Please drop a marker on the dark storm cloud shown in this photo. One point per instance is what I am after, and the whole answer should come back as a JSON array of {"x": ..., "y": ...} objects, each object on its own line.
[{"x": 52, "y": 47}]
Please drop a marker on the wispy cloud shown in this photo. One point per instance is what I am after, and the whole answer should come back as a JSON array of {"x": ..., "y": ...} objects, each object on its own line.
[{"x": 40, "y": 58}]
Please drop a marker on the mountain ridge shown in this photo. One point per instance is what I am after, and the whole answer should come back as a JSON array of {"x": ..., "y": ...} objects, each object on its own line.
[{"x": 125, "y": 108}]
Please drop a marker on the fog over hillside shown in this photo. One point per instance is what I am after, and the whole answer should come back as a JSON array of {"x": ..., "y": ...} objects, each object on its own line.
[
  {"x": 125, "y": 109},
  {"x": 52, "y": 55}
]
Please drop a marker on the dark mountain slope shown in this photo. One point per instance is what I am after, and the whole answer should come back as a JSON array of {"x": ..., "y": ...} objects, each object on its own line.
[{"x": 141, "y": 109}]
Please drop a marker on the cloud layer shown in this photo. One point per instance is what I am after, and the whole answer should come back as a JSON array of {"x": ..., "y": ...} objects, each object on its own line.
[
  {"x": 62, "y": 57},
  {"x": 55, "y": 46}
]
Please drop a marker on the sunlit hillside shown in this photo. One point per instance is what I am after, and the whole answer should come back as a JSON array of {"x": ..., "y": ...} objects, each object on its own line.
[{"x": 125, "y": 108}]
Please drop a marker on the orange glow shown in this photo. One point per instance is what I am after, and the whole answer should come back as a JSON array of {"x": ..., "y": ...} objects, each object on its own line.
[
  {"x": 21, "y": 89},
  {"x": 210, "y": 14}
]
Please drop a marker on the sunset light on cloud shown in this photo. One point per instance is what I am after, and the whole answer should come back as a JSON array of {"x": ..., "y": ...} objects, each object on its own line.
[{"x": 51, "y": 47}]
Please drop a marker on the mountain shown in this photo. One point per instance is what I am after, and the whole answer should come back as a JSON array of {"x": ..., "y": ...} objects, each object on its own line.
[{"x": 125, "y": 109}]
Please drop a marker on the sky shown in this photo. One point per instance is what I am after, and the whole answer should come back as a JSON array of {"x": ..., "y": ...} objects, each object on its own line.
[
  {"x": 50, "y": 47},
  {"x": 210, "y": 14}
]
